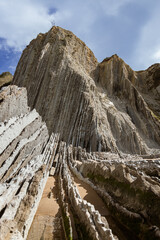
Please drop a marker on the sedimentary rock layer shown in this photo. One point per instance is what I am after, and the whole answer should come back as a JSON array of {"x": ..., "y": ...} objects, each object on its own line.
[
  {"x": 129, "y": 188},
  {"x": 79, "y": 216},
  {"x": 100, "y": 107},
  {"x": 26, "y": 157}
]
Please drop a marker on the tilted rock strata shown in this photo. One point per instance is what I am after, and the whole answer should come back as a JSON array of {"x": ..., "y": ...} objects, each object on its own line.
[
  {"x": 71, "y": 203},
  {"x": 148, "y": 83},
  {"x": 13, "y": 103},
  {"x": 124, "y": 86},
  {"x": 129, "y": 185},
  {"x": 130, "y": 189},
  {"x": 99, "y": 107},
  {"x": 63, "y": 81},
  {"x": 26, "y": 157}
]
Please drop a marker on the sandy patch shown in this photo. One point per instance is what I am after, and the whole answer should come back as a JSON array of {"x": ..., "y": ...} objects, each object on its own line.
[
  {"x": 48, "y": 206},
  {"x": 46, "y": 223},
  {"x": 88, "y": 194}
]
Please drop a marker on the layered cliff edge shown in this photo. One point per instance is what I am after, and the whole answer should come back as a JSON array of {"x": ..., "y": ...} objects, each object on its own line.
[{"x": 99, "y": 106}]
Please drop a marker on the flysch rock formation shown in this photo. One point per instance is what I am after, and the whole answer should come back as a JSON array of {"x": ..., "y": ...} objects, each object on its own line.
[
  {"x": 129, "y": 187},
  {"x": 100, "y": 107},
  {"x": 95, "y": 157},
  {"x": 25, "y": 159}
]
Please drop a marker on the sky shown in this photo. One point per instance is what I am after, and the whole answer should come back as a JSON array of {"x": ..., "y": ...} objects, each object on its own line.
[{"x": 129, "y": 28}]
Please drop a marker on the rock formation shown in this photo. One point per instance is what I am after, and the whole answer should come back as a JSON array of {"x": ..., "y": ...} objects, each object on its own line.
[
  {"x": 25, "y": 160},
  {"x": 99, "y": 143},
  {"x": 5, "y": 79},
  {"x": 100, "y": 107},
  {"x": 148, "y": 83},
  {"x": 129, "y": 187}
]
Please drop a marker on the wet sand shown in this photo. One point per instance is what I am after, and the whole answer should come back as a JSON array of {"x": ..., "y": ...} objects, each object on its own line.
[{"x": 88, "y": 194}]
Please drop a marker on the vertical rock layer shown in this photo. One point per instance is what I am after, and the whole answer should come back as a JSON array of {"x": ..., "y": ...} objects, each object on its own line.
[{"x": 96, "y": 106}]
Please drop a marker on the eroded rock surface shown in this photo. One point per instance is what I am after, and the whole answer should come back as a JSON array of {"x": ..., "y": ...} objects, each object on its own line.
[
  {"x": 125, "y": 195},
  {"x": 108, "y": 116},
  {"x": 26, "y": 156},
  {"x": 100, "y": 107},
  {"x": 5, "y": 79},
  {"x": 129, "y": 188}
]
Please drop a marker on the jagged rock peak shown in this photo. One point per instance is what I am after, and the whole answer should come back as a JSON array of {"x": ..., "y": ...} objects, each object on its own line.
[
  {"x": 65, "y": 40},
  {"x": 114, "y": 56}
]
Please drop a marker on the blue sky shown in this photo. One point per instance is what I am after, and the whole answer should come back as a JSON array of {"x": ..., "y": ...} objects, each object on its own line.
[{"x": 129, "y": 28}]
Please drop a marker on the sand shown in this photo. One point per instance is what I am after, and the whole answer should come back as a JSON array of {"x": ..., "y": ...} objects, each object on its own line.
[
  {"x": 48, "y": 206},
  {"x": 47, "y": 224},
  {"x": 88, "y": 194}
]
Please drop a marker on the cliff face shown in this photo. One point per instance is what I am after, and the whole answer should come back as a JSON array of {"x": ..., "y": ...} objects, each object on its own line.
[
  {"x": 96, "y": 190},
  {"x": 100, "y": 107},
  {"x": 96, "y": 106},
  {"x": 148, "y": 83},
  {"x": 125, "y": 88},
  {"x": 58, "y": 83}
]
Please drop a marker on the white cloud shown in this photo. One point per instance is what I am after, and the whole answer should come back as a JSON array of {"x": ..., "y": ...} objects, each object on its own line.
[
  {"x": 12, "y": 68},
  {"x": 21, "y": 21},
  {"x": 156, "y": 55},
  {"x": 113, "y": 6}
]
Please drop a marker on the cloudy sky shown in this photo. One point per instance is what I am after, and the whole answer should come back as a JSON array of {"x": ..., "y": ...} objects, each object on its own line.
[{"x": 129, "y": 28}]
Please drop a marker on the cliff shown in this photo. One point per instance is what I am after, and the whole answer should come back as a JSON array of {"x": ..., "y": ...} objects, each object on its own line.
[
  {"x": 103, "y": 179},
  {"x": 98, "y": 106}
]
